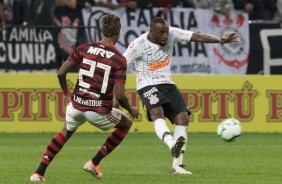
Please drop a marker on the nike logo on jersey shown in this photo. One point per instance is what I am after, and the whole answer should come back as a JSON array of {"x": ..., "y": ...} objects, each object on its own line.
[{"x": 100, "y": 52}]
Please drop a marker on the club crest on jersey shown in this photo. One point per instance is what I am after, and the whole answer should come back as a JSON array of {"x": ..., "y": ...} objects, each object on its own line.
[
  {"x": 153, "y": 99},
  {"x": 100, "y": 52}
]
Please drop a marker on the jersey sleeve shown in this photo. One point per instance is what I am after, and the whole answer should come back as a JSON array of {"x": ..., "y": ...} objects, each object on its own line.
[
  {"x": 75, "y": 57},
  {"x": 120, "y": 73},
  {"x": 130, "y": 52},
  {"x": 179, "y": 35}
]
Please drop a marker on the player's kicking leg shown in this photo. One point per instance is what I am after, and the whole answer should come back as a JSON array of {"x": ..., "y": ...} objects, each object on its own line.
[
  {"x": 177, "y": 153},
  {"x": 121, "y": 124},
  {"x": 180, "y": 135}
]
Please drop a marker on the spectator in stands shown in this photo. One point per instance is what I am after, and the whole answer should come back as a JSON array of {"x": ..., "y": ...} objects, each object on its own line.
[
  {"x": 81, "y": 4},
  {"x": 42, "y": 12},
  {"x": 106, "y": 4},
  {"x": 8, "y": 11},
  {"x": 220, "y": 6},
  {"x": 88, "y": 4},
  {"x": 201, "y": 3},
  {"x": 269, "y": 9},
  {"x": 24, "y": 12},
  {"x": 67, "y": 38},
  {"x": 144, "y": 4},
  {"x": 66, "y": 8},
  {"x": 15, "y": 12},
  {"x": 66, "y": 19},
  {"x": 257, "y": 9},
  {"x": 130, "y": 4},
  {"x": 223, "y": 7},
  {"x": 3, "y": 23},
  {"x": 166, "y": 5},
  {"x": 114, "y": 4},
  {"x": 184, "y": 4},
  {"x": 278, "y": 12}
]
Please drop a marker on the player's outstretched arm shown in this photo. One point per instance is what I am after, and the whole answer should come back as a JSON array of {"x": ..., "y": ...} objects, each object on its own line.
[
  {"x": 207, "y": 38},
  {"x": 231, "y": 37}
]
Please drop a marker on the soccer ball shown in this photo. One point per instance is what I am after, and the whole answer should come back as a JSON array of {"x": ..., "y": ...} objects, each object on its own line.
[{"x": 229, "y": 129}]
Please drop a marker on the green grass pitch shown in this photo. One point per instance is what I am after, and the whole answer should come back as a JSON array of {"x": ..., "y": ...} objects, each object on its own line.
[{"x": 143, "y": 159}]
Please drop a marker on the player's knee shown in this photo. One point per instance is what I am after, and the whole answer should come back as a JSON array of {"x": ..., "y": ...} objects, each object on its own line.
[
  {"x": 125, "y": 123},
  {"x": 128, "y": 123},
  {"x": 185, "y": 120},
  {"x": 156, "y": 114},
  {"x": 182, "y": 119}
]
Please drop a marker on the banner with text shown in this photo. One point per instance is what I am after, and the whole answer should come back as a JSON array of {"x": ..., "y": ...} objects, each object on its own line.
[
  {"x": 34, "y": 102},
  {"x": 27, "y": 49},
  {"x": 189, "y": 57}
]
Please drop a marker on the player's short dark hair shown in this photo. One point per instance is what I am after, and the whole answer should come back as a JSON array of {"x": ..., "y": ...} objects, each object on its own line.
[
  {"x": 157, "y": 20},
  {"x": 110, "y": 25}
]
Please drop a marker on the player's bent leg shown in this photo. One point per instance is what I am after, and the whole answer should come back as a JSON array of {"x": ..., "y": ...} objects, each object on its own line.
[
  {"x": 180, "y": 132},
  {"x": 163, "y": 132},
  {"x": 161, "y": 129},
  {"x": 123, "y": 124},
  {"x": 182, "y": 119}
]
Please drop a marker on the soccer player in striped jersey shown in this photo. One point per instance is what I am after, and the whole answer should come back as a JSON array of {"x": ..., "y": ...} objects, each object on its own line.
[
  {"x": 101, "y": 80},
  {"x": 152, "y": 53}
]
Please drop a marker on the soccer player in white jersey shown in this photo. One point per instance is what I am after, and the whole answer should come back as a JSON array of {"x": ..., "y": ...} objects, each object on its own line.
[{"x": 152, "y": 53}]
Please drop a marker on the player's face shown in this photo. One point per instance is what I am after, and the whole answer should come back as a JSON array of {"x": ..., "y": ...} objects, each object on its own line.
[{"x": 160, "y": 33}]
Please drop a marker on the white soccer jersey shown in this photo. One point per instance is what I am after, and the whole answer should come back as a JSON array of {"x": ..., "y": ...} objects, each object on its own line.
[{"x": 153, "y": 61}]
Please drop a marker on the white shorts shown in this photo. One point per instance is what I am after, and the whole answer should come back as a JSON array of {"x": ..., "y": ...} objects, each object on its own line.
[{"x": 75, "y": 118}]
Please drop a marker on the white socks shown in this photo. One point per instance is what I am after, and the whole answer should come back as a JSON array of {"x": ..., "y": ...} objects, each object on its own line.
[
  {"x": 161, "y": 129},
  {"x": 164, "y": 134},
  {"x": 180, "y": 131}
]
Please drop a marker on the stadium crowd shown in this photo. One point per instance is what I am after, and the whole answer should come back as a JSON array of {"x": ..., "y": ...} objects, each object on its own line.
[
  {"x": 50, "y": 12},
  {"x": 65, "y": 17}
]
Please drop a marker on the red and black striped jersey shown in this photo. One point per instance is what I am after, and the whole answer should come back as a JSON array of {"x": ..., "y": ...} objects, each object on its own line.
[{"x": 100, "y": 68}]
